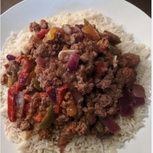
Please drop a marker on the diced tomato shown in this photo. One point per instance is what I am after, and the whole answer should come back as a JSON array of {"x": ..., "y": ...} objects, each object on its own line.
[
  {"x": 27, "y": 97},
  {"x": 42, "y": 33},
  {"x": 26, "y": 65},
  {"x": 58, "y": 108},
  {"x": 43, "y": 94},
  {"x": 38, "y": 118},
  {"x": 19, "y": 58},
  {"x": 61, "y": 94},
  {"x": 49, "y": 88}
]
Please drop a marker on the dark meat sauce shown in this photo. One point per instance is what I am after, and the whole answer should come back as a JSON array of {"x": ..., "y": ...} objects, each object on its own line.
[{"x": 47, "y": 90}]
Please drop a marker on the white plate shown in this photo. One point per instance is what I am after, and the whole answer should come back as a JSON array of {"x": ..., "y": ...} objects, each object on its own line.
[{"x": 133, "y": 20}]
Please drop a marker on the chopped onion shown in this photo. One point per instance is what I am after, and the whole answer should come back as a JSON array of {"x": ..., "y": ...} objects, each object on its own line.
[
  {"x": 64, "y": 55},
  {"x": 138, "y": 101},
  {"x": 20, "y": 102},
  {"x": 115, "y": 61},
  {"x": 138, "y": 91},
  {"x": 52, "y": 94},
  {"x": 110, "y": 124},
  {"x": 73, "y": 62},
  {"x": 126, "y": 103},
  {"x": 40, "y": 61},
  {"x": 26, "y": 134},
  {"x": 10, "y": 57},
  {"x": 67, "y": 29}
]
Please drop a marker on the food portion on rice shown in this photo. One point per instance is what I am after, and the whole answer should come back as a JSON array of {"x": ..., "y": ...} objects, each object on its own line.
[
  {"x": 75, "y": 82},
  {"x": 73, "y": 78}
]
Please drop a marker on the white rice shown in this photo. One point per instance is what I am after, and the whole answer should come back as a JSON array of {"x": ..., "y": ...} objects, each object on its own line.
[{"x": 84, "y": 144}]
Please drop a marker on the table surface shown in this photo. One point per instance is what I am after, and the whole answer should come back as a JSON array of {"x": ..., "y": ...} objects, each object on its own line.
[{"x": 144, "y": 5}]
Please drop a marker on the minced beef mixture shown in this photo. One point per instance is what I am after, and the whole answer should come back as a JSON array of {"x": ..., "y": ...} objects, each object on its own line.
[{"x": 73, "y": 78}]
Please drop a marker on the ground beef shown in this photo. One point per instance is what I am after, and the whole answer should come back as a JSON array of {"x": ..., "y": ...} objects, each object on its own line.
[
  {"x": 62, "y": 118},
  {"x": 41, "y": 51},
  {"x": 109, "y": 57},
  {"x": 129, "y": 60},
  {"x": 74, "y": 38},
  {"x": 91, "y": 46},
  {"x": 89, "y": 102},
  {"x": 4, "y": 79},
  {"x": 59, "y": 38},
  {"x": 66, "y": 129},
  {"x": 47, "y": 77},
  {"x": 95, "y": 97},
  {"x": 29, "y": 88},
  {"x": 115, "y": 92},
  {"x": 106, "y": 81},
  {"x": 88, "y": 56},
  {"x": 103, "y": 101},
  {"x": 79, "y": 111},
  {"x": 25, "y": 125},
  {"x": 34, "y": 27},
  {"x": 43, "y": 106},
  {"x": 100, "y": 112},
  {"x": 13, "y": 67},
  {"x": 34, "y": 42},
  {"x": 78, "y": 46},
  {"x": 82, "y": 126},
  {"x": 83, "y": 85},
  {"x": 126, "y": 76},
  {"x": 89, "y": 115},
  {"x": 61, "y": 70},
  {"x": 68, "y": 96},
  {"x": 112, "y": 110},
  {"x": 47, "y": 50},
  {"x": 46, "y": 133},
  {"x": 68, "y": 77},
  {"x": 43, "y": 24}
]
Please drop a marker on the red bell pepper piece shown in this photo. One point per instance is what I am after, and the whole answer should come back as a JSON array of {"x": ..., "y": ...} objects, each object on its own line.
[
  {"x": 42, "y": 33},
  {"x": 38, "y": 118},
  {"x": 22, "y": 79},
  {"x": 19, "y": 58},
  {"x": 73, "y": 126},
  {"x": 12, "y": 92},
  {"x": 43, "y": 94},
  {"x": 26, "y": 65},
  {"x": 61, "y": 94}
]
